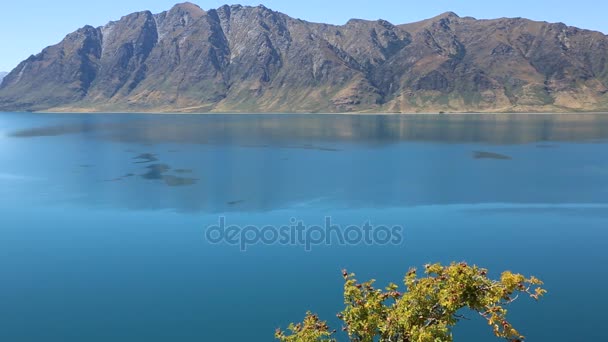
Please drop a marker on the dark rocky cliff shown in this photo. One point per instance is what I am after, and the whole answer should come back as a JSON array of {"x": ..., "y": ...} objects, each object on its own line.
[{"x": 240, "y": 59}]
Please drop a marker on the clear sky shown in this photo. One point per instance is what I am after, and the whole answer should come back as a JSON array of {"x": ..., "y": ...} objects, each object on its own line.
[{"x": 26, "y": 27}]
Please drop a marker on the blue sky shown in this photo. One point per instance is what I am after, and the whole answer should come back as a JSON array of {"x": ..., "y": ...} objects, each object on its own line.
[{"x": 26, "y": 27}]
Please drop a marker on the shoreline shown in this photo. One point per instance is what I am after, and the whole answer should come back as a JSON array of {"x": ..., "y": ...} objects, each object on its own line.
[{"x": 311, "y": 113}]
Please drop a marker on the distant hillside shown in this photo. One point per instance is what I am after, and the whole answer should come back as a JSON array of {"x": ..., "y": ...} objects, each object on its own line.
[
  {"x": 241, "y": 59},
  {"x": 2, "y": 74}
]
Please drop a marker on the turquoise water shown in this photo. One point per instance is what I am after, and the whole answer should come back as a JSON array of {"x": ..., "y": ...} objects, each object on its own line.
[{"x": 103, "y": 218}]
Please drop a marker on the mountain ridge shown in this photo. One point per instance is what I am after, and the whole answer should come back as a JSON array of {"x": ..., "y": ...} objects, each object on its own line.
[{"x": 253, "y": 59}]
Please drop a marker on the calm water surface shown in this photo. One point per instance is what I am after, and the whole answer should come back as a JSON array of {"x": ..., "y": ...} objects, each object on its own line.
[{"x": 103, "y": 218}]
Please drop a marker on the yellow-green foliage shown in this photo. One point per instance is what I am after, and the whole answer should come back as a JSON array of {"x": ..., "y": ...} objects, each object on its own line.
[
  {"x": 427, "y": 311},
  {"x": 312, "y": 329}
]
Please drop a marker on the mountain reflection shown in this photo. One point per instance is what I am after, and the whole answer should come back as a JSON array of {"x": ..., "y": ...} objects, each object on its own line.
[
  {"x": 291, "y": 129},
  {"x": 218, "y": 163}
]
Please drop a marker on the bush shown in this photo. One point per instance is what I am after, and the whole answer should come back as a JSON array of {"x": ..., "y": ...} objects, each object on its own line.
[{"x": 426, "y": 312}]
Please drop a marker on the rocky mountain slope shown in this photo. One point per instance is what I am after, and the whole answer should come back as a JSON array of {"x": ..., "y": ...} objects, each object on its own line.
[
  {"x": 241, "y": 59},
  {"x": 2, "y": 74}
]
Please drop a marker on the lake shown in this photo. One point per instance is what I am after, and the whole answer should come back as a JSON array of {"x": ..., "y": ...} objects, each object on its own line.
[{"x": 105, "y": 218}]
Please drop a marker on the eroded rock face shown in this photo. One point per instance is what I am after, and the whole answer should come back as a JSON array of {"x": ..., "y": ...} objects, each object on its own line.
[{"x": 238, "y": 58}]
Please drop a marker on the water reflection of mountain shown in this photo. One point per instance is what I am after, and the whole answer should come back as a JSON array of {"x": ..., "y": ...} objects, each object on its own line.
[
  {"x": 292, "y": 129},
  {"x": 215, "y": 163}
]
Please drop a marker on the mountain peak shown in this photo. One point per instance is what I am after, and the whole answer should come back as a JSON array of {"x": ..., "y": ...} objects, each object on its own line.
[
  {"x": 448, "y": 14},
  {"x": 188, "y": 7}
]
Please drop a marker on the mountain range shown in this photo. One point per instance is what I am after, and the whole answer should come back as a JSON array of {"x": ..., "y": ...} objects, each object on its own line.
[
  {"x": 253, "y": 59},
  {"x": 2, "y": 74}
]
